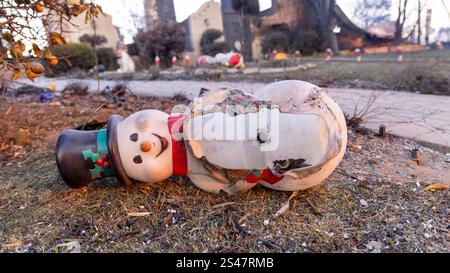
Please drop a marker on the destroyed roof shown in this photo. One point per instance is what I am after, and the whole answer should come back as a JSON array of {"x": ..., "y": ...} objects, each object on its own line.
[
  {"x": 344, "y": 21},
  {"x": 385, "y": 30}
]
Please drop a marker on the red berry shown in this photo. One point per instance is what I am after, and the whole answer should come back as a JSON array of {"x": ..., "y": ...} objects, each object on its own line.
[
  {"x": 100, "y": 162},
  {"x": 106, "y": 165},
  {"x": 105, "y": 157}
]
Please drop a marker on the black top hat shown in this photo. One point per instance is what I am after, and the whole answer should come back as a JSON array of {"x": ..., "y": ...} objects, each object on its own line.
[{"x": 87, "y": 156}]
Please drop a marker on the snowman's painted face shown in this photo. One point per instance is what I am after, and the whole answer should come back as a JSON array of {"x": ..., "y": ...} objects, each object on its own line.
[{"x": 145, "y": 146}]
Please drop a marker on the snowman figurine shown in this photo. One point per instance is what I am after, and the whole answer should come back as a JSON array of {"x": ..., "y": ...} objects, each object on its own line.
[{"x": 288, "y": 136}]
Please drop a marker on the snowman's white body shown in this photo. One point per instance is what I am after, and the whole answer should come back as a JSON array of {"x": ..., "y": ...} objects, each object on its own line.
[{"x": 296, "y": 133}]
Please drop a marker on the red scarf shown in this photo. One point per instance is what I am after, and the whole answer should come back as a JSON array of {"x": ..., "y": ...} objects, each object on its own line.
[{"x": 179, "y": 153}]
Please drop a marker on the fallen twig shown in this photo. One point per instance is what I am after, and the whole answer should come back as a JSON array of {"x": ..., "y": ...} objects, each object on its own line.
[
  {"x": 223, "y": 205},
  {"x": 138, "y": 214}
]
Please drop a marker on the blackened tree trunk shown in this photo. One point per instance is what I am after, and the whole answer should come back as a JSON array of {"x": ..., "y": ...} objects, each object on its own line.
[
  {"x": 419, "y": 21},
  {"x": 247, "y": 10},
  {"x": 246, "y": 40},
  {"x": 332, "y": 38},
  {"x": 400, "y": 22},
  {"x": 325, "y": 12}
]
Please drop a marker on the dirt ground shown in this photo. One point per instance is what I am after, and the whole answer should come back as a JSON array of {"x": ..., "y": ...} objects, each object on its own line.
[{"x": 376, "y": 200}]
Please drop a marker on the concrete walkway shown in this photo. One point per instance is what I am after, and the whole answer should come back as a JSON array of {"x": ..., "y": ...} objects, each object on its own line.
[{"x": 424, "y": 118}]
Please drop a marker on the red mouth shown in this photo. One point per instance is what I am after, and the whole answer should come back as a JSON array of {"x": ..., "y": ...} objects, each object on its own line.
[{"x": 164, "y": 143}]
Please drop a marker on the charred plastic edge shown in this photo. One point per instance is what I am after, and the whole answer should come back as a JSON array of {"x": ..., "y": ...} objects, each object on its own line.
[{"x": 113, "y": 151}]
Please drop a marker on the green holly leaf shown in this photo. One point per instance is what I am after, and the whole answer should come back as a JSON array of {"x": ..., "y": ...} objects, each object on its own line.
[{"x": 89, "y": 154}]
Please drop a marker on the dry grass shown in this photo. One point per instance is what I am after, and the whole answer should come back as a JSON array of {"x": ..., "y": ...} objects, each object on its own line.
[
  {"x": 426, "y": 77},
  {"x": 376, "y": 196}
]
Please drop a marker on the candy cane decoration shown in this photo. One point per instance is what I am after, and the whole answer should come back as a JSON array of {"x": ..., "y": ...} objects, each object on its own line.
[
  {"x": 174, "y": 61},
  {"x": 358, "y": 54},
  {"x": 329, "y": 54},
  {"x": 399, "y": 52},
  {"x": 298, "y": 55},
  {"x": 187, "y": 60}
]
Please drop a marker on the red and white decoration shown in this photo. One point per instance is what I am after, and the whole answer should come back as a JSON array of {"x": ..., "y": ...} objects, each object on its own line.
[
  {"x": 299, "y": 145},
  {"x": 358, "y": 53},
  {"x": 174, "y": 61},
  {"x": 329, "y": 54},
  {"x": 187, "y": 61},
  {"x": 231, "y": 60},
  {"x": 399, "y": 53}
]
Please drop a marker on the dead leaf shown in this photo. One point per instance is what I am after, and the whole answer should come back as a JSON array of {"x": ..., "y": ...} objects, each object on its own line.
[
  {"x": 87, "y": 17},
  {"x": 78, "y": 9},
  {"x": 436, "y": 187},
  {"x": 37, "y": 51},
  {"x": 70, "y": 247},
  {"x": 246, "y": 216},
  {"x": 285, "y": 207},
  {"x": 16, "y": 74},
  {"x": 12, "y": 245},
  {"x": 57, "y": 39},
  {"x": 282, "y": 210}
]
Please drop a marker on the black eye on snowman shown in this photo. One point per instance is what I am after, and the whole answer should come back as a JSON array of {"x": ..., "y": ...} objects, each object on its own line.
[
  {"x": 137, "y": 159},
  {"x": 134, "y": 137}
]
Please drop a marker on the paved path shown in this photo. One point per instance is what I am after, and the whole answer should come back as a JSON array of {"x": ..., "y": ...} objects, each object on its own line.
[{"x": 424, "y": 118}]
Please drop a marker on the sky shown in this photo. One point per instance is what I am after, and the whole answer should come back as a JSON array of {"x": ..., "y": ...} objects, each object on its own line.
[{"x": 122, "y": 11}]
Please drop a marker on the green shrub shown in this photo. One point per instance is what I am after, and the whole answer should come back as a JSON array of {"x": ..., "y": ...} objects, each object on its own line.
[
  {"x": 275, "y": 41},
  {"x": 93, "y": 39},
  {"x": 208, "y": 43},
  {"x": 107, "y": 57},
  {"x": 166, "y": 39},
  {"x": 283, "y": 38},
  {"x": 217, "y": 47},
  {"x": 307, "y": 42},
  {"x": 73, "y": 56},
  {"x": 139, "y": 64}
]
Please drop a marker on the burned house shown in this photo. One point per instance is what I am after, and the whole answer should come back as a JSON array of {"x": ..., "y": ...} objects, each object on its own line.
[
  {"x": 158, "y": 11},
  {"x": 323, "y": 17},
  {"x": 235, "y": 29},
  {"x": 208, "y": 16},
  {"x": 351, "y": 36}
]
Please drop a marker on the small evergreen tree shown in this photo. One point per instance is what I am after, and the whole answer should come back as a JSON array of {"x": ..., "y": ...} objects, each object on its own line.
[
  {"x": 166, "y": 39},
  {"x": 93, "y": 40},
  {"x": 209, "y": 45},
  {"x": 276, "y": 40},
  {"x": 73, "y": 56},
  {"x": 107, "y": 57}
]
